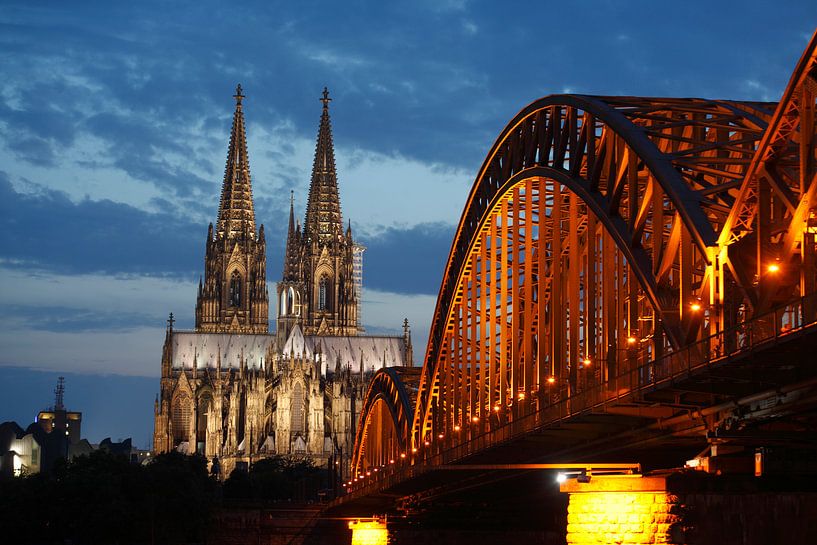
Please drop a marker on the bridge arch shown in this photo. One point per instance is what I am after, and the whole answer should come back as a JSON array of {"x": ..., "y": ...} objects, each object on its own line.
[
  {"x": 600, "y": 235},
  {"x": 585, "y": 242},
  {"x": 385, "y": 418}
]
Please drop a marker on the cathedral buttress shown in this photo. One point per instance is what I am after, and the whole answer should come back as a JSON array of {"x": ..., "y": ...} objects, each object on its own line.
[{"x": 233, "y": 295}]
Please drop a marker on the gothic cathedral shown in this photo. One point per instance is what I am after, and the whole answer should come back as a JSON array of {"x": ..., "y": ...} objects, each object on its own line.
[{"x": 234, "y": 392}]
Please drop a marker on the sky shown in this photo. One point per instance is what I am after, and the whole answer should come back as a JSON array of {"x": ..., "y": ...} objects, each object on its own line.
[{"x": 115, "y": 117}]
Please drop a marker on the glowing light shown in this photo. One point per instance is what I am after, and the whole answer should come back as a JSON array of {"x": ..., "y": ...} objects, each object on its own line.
[
  {"x": 496, "y": 408},
  {"x": 375, "y": 469},
  {"x": 521, "y": 396},
  {"x": 591, "y": 511},
  {"x": 369, "y": 473},
  {"x": 551, "y": 380},
  {"x": 391, "y": 461},
  {"x": 426, "y": 443},
  {"x": 773, "y": 267},
  {"x": 456, "y": 427},
  {"x": 631, "y": 340},
  {"x": 587, "y": 361},
  {"x": 441, "y": 436},
  {"x": 403, "y": 454},
  {"x": 369, "y": 532},
  {"x": 474, "y": 419},
  {"x": 561, "y": 477},
  {"x": 414, "y": 449},
  {"x": 695, "y": 306}
]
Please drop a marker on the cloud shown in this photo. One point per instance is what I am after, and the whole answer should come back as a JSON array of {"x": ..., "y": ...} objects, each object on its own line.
[
  {"x": 102, "y": 324},
  {"x": 47, "y": 231},
  {"x": 71, "y": 320},
  {"x": 407, "y": 260},
  {"x": 74, "y": 300}
]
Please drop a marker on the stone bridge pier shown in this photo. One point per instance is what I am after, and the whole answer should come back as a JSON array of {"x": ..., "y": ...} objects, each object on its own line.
[{"x": 690, "y": 508}]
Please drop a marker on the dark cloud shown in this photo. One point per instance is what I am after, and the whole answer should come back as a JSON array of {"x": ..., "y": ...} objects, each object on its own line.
[
  {"x": 35, "y": 150},
  {"x": 407, "y": 260},
  {"x": 72, "y": 320},
  {"x": 47, "y": 231},
  {"x": 434, "y": 84}
]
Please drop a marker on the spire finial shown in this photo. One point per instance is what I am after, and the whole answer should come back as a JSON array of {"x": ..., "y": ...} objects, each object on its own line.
[
  {"x": 325, "y": 99},
  {"x": 291, "y": 198},
  {"x": 238, "y": 96}
]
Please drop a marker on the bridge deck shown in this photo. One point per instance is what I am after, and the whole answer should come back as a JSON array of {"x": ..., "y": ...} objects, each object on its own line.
[{"x": 658, "y": 414}]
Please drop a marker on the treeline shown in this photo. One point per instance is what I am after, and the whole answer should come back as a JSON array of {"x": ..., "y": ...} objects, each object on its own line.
[{"x": 104, "y": 499}]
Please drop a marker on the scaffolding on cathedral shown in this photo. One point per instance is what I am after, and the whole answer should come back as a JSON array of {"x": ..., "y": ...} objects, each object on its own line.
[{"x": 357, "y": 277}]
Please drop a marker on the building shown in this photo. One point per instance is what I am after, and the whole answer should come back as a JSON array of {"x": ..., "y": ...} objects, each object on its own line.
[
  {"x": 57, "y": 418},
  {"x": 55, "y": 434},
  {"x": 20, "y": 451},
  {"x": 236, "y": 392}
]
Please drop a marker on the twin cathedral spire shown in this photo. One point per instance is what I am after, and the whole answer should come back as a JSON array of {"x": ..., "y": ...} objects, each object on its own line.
[{"x": 320, "y": 287}]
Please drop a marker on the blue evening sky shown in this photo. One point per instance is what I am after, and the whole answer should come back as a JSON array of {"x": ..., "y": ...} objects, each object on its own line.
[{"x": 114, "y": 119}]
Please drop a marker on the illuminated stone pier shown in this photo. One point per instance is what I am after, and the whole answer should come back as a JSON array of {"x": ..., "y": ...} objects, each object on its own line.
[
  {"x": 619, "y": 509},
  {"x": 369, "y": 532}
]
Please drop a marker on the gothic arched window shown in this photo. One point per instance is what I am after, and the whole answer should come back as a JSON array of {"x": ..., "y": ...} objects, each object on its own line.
[
  {"x": 235, "y": 289},
  {"x": 323, "y": 294},
  {"x": 297, "y": 414},
  {"x": 180, "y": 415},
  {"x": 291, "y": 300}
]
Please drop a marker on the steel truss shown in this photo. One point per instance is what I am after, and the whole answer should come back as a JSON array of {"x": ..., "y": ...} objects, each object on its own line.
[
  {"x": 603, "y": 232},
  {"x": 385, "y": 418}
]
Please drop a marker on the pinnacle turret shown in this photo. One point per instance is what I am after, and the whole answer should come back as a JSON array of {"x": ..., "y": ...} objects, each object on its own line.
[
  {"x": 236, "y": 216},
  {"x": 323, "y": 221},
  {"x": 291, "y": 252}
]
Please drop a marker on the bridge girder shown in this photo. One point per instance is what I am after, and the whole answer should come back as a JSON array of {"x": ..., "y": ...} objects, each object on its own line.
[
  {"x": 387, "y": 414},
  {"x": 604, "y": 233},
  {"x": 636, "y": 188}
]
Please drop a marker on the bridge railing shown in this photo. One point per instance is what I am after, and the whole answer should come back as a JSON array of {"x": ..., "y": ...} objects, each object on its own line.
[
  {"x": 760, "y": 332},
  {"x": 784, "y": 321}
]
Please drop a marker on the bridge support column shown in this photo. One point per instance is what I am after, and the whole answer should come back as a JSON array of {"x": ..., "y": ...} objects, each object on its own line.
[
  {"x": 622, "y": 509},
  {"x": 369, "y": 532}
]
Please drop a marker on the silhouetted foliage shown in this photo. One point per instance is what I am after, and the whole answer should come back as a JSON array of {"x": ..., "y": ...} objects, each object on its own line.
[
  {"x": 276, "y": 478},
  {"x": 103, "y": 498}
]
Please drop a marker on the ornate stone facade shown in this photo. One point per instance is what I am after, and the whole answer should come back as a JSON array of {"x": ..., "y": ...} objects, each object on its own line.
[
  {"x": 317, "y": 291},
  {"x": 231, "y": 390},
  {"x": 233, "y": 296}
]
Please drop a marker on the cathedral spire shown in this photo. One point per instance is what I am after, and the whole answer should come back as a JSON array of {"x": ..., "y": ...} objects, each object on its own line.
[
  {"x": 233, "y": 297},
  {"x": 323, "y": 217},
  {"x": 236, "y": 216}
]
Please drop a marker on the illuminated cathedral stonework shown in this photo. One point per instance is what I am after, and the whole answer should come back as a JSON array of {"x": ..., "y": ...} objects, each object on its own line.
[{"x": 233, "y": 391}]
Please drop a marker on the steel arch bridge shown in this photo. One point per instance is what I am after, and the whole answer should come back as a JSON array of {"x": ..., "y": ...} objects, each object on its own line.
[{"x": 603, "y": 238}]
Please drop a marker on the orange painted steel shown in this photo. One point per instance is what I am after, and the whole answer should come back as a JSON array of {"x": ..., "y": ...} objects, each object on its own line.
[
  {"x": 385, "y": 418},
  {"x": 603, "y": 233}
]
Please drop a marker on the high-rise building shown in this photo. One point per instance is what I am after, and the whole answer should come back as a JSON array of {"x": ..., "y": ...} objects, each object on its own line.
[{"x": 233, "y": 391}]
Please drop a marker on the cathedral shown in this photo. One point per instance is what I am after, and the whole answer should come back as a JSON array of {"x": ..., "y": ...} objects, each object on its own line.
[{"x": 236, "y": 392}]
